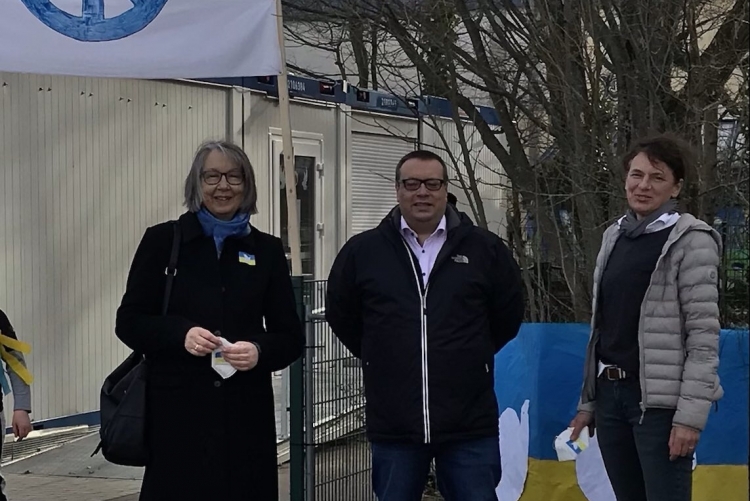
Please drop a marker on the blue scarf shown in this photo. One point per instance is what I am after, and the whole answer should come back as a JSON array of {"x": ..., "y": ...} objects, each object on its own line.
[{"x": 219, "y": 229}]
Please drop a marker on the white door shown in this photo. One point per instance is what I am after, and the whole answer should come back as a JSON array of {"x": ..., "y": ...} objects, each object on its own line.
[
  {"x": 307, "y": 168},
  {"x": 373, "y": 177}
]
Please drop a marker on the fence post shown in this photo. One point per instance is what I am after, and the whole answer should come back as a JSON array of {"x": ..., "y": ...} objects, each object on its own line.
[
  {"x": 296, "y": 411},
  {"x": 309, "y": 406}
]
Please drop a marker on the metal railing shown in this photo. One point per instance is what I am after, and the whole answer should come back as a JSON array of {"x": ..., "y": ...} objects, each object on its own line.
[
  {"x": 320, "y": 408},
  {"x": 338, "y": 454},
  {"x": 734, "y": 293}
]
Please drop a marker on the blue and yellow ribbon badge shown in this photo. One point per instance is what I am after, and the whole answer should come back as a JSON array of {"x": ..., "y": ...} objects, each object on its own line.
[
  {"x": 578, "y": 446},
  {"x": 8, "y": 343},
  {"x": 248, "y": 259}
]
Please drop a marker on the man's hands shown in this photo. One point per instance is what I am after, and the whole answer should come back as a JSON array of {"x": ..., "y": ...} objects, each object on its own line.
[
  {"x": 21, "y": 424},
  {"x": 242, "y": 355},
  {"x": 682, "y": 441},
  {"x": 581, "y": 421},
  {"x": 200, "y": 342}
]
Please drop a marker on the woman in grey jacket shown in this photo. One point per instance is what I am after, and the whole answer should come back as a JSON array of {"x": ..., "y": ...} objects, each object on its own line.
[{"x": 650, "y": 375}]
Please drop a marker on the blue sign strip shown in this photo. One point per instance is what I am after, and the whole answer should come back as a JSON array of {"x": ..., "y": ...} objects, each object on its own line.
[
  {"x": 299, "y": 87},
  {"x": 362, "y": 99}
]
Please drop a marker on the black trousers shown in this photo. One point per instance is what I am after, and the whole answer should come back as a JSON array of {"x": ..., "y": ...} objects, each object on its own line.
[{"x": 635, "y": 452}]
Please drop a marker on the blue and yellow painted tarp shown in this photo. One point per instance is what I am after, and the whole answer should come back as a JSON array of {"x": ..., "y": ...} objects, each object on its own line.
[{"x": 544, "y": 366}]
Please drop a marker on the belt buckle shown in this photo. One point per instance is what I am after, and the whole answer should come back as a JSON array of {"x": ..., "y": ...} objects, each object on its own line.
[{"x": 614, "y": 373}]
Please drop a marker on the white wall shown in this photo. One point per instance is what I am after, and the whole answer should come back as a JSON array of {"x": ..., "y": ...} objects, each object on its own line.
[{"x": 85, "y": 166}]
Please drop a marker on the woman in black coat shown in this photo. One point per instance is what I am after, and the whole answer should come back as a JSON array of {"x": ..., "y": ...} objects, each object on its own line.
[{"x": 212, "y": 436}]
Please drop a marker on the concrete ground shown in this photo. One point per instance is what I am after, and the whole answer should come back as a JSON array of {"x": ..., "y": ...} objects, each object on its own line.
[
  {"x": 69, "y": 473},
  {"x": 44, "y": 488},
  {"x": 38, "y": 487}
]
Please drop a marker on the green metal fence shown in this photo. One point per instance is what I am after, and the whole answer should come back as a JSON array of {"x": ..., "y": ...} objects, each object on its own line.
[
  {"x": 333, "y": 458},
  {"x": 734, "y": 294}
]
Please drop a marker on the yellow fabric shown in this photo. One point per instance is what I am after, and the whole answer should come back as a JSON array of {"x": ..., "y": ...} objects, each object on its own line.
[
  {"x": 552, "y": 481},
  {"x": 14, "y": 344},
  {"x": 725, "y": 482},
  {"x": 556, "y": 481},
  {"x": 13, "y": 363}
]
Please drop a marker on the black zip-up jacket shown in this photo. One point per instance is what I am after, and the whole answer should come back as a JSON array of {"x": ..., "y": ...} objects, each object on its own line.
[{"x": 427, "y": 350}]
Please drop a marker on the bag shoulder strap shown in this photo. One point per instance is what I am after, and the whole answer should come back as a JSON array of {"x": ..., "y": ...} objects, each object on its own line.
[{"x": 171, "y": 270}]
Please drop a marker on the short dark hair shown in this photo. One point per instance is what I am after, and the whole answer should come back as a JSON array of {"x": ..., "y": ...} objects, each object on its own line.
[
  {"x": 420, "y": 155},
  {"x": 452, "y": 199},
  {"x": 670, "y": 149}
]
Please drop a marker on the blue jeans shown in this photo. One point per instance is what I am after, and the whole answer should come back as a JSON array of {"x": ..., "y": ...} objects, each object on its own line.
[
  {"x": 466, "y": 470},
  {"x": 635, "y": 454}
]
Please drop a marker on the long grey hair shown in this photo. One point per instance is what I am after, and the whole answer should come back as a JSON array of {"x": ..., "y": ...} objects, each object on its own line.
[{"x": 193, "y": 191}]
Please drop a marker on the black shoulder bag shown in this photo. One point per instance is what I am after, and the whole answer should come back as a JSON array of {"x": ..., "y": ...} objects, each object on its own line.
[{"x": 122, "y": 400}]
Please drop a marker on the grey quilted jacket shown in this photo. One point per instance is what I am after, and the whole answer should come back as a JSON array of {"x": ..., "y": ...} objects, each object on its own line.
[{"x": 678, "y": 332}]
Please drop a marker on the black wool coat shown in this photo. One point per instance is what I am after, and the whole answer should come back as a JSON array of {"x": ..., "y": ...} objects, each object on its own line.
[{"x": 210, "y": 438}]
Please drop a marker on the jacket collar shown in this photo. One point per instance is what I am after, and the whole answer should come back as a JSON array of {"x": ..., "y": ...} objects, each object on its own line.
[
  {"x": 685, "y": 224},
  {"x": 458, "y": 226},
  {"x": 453, "y": 220},
  {"x": 442, "y": 226},
  {"x": 191, "y": 227}
]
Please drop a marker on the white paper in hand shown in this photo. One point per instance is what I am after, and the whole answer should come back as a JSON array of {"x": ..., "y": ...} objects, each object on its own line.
[
  {"x": 218, "y": 363},
  {"x": 568, "y": 450}
]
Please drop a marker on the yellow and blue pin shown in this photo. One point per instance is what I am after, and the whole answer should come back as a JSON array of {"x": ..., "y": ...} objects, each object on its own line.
[{"x": 248, "y": 259}]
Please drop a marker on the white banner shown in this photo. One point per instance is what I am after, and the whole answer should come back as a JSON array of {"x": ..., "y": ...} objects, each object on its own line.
[{"x": 140, "y": 38}]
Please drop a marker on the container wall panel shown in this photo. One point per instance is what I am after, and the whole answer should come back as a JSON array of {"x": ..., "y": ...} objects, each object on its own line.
[{"x": 85, "y": 166}]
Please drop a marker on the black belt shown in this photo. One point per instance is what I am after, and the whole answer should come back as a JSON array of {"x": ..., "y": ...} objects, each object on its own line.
[{"x": 614, "y": 373}]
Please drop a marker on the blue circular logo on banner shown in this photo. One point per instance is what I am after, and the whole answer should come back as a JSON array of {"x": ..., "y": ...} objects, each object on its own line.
[{"x": 91, "y": 25}]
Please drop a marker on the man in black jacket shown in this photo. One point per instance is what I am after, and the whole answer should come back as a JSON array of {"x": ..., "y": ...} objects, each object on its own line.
[{"x": 426, "y": 299}]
